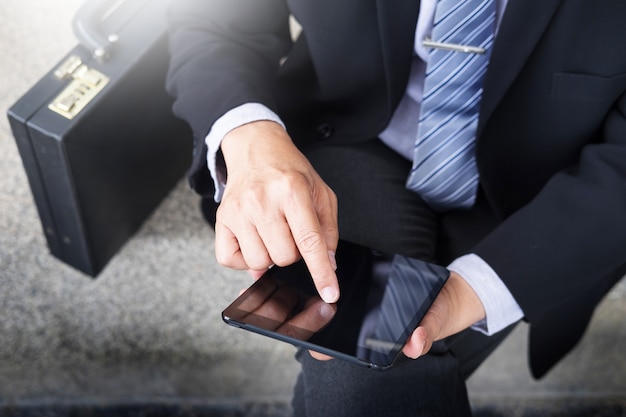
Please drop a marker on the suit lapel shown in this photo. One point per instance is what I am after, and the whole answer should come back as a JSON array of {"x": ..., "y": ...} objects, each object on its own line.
[
  {"x": 522, "y": 25},
  {"x": 396, "y": 22}
]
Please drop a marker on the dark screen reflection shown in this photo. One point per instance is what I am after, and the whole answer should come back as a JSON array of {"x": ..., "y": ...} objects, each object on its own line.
[{"x": 374, "y": 317}]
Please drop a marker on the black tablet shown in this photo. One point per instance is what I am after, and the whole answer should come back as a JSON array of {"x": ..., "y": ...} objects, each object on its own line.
[{"x": 369, "y": 325}]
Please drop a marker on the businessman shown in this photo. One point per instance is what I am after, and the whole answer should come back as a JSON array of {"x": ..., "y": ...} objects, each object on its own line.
[{"x": 488, "y": 136}]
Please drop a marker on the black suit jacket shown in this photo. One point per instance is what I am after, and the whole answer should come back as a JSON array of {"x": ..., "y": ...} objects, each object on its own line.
[{"x": 551, "y": 146}]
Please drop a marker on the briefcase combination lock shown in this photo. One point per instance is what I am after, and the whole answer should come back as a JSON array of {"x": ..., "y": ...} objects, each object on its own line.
[{"x": 85, "y": 86}]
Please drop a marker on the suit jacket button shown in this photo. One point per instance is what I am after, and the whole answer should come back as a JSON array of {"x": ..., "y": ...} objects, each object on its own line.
[{"x": 325, "y": 131}]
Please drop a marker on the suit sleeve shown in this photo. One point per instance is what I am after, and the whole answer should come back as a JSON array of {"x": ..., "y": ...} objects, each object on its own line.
[
  {"x": 224, "y": 53},
  {"x": 569, "y": 242}
]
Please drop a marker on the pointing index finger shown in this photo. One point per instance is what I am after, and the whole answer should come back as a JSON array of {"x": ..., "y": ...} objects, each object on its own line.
[{"x": 318, "y": 254}]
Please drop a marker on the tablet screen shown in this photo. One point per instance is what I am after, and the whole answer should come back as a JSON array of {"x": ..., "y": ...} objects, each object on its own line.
[{"x": 371, "y": 322}]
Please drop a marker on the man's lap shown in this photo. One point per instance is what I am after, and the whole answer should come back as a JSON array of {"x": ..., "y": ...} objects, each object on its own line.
[
  {"x": 376, "y": 211},
  {"x": 427, "y": 386}
]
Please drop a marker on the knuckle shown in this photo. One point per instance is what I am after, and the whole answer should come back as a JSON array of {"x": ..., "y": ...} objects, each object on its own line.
[
  {"x": 294, "y": 179},
  {"x": 229, "y": 258},
  {"x": 309, "y": 241},
  {"x": 223, "y": 260},
  {"x": 257, "y": 262},
  {"x": 297, "y": 185},
  {"x": 285, "y": 258}
]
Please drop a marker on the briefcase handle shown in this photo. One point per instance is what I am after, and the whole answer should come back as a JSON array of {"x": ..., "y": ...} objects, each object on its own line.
[
  {"x": 88, "y": 24},
  {"x": 87, "y": 28}
]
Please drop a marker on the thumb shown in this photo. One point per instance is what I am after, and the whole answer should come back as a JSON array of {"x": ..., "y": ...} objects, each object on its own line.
[
  {"x": 430, "y": 328},
  {"x": 456, "y": 308},
  {"x": 419, "y": 344}
]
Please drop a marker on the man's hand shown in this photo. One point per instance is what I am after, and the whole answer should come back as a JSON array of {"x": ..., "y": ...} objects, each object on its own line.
[
  {"x": 275, "y": 208},
  {"x": 456, "y": 308}
]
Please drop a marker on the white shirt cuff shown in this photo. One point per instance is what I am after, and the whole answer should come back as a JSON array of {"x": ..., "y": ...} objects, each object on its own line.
[
  {"x": 239, "y": 116},
  {"x": 501, "y": 308}
]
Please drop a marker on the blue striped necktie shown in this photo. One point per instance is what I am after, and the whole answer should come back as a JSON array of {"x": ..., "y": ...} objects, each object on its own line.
[{"x": 444, "y": 169}]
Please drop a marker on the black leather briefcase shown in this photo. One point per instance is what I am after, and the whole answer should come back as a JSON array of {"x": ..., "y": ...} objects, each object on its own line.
[{"x": 96, "y": 135}]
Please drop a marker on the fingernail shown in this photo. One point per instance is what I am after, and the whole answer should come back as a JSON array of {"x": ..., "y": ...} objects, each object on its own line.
[
  {"x": 329, "y": 295},
  {"x": 326, "y": 311},
  {"x": 421, "y": 350},
  {"x": 333, "y": 260}
]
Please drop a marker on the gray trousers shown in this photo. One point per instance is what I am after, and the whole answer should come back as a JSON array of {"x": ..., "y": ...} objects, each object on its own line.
[{"x": 376, "y": 211}]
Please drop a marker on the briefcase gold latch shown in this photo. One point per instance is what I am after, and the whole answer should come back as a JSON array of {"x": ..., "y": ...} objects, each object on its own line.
[{"x": 85, "y": 86}]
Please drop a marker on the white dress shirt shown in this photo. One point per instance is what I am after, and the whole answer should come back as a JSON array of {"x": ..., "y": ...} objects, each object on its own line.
[{"x": 500, "y": 306}]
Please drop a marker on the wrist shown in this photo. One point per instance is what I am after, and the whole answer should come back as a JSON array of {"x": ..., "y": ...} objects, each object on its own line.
[
  {"x": 252, "y": 138},
  {"x": 469, "y": 308}
]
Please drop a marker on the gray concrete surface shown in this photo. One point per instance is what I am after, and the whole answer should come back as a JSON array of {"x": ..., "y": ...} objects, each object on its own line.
[{"x": 148, "y": 331}]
